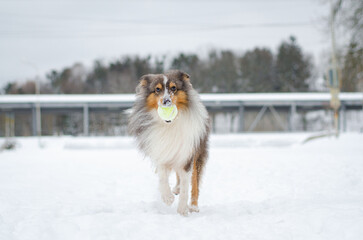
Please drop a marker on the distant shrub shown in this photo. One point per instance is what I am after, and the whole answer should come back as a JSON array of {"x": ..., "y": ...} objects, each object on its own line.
[{"x": 8, "y": 145}]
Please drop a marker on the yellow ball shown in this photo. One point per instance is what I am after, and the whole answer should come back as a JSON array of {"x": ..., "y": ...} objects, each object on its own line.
[{"x": 168, "y": 113}]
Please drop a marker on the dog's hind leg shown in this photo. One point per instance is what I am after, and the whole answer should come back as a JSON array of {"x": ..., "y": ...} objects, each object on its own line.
[
  {"x": 164, "y": 187},
  {"x": 176, "y": 189},
  {"x": 195, "y": 188},
  {"x": 198, "y": 165}
]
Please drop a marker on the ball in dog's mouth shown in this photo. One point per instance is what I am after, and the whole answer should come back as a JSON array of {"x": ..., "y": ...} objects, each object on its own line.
[{"x": 169, "y": 113}]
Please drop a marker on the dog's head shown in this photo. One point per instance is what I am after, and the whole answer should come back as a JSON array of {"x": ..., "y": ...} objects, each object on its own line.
[{"x": 165, "y": 90}]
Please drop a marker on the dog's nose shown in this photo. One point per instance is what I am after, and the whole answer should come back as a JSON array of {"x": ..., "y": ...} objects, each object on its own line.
[{"x": 166, "y": 102}]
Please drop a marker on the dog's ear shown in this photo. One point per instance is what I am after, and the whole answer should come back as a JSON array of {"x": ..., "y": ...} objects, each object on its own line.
[
  {"x": 184, "y": 76},
  {"x": 144, "y": 83}
]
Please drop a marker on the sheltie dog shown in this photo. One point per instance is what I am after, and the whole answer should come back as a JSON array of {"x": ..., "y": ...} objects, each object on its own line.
[{"x": 181, "y": 144}]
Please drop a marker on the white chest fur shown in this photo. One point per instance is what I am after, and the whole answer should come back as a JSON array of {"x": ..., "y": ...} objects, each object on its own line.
[{"x": 174, "y": 144}]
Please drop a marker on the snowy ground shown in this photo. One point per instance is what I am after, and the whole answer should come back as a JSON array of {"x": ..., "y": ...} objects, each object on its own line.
[{"x": 256, "y": 186}]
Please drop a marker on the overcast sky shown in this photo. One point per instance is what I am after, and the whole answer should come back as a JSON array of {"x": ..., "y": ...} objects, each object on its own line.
[{"x": 54, "y": 34}]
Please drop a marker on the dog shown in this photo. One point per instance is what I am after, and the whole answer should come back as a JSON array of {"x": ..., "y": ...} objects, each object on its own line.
[{"x": 179, "y": 145}]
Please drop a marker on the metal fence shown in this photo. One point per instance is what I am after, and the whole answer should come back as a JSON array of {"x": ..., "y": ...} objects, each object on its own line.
[{"x": 230, "y": 113}]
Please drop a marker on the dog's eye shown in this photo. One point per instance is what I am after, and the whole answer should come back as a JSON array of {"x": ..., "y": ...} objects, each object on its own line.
[
  {"x": 157, "y": 89},
  {"x": 173, "y": 88}
]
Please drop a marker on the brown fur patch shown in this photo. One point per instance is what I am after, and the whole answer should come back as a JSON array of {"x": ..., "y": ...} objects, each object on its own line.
[
  {"x": 199, "y": 162},
  {"x": 143, "y": 83},
  {"x": 180, "y": 99},
  {"x": 195, "y": 185},
  {"x": 159, "y": 86},
  {"x": 188, "y": 165},
  {"x": 186, "y": 77},
  {"x": 152, "y": 101},
  {"x": 172, "y": 84}
]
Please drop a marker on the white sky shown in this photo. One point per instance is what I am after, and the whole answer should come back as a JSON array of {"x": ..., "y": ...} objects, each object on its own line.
[{"x": 55, "y": 34}]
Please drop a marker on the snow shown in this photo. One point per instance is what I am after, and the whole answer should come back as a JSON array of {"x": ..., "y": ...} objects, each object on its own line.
[{"x": 256, "y": 186}]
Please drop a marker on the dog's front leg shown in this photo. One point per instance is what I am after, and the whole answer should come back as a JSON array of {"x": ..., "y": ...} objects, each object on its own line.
[
  {"x": 184, "y": 190},
  {"x": 164, "y": 187},
  {"x": 176, "y": 189}
]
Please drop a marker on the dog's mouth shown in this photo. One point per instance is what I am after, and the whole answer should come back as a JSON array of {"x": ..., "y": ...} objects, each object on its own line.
[{"x": 167, "y": 121}]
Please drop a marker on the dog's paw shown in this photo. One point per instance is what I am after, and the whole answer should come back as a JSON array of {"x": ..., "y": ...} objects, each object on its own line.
[
  {"x": 183, "y": 210},
  {"x": 176, "y": 190},
  {"x": 168, "y": 199},
  {"x": 193, "y": 208}
]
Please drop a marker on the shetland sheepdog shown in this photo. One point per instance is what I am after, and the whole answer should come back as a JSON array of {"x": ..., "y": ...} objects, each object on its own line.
[{"x": 179, "y": 145}]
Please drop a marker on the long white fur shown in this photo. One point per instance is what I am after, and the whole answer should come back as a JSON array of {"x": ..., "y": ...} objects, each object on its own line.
[
  {"x": 177, "y": 140},
  {"x": 166, "y": 91},
  {"x": 165, "y": 80}
]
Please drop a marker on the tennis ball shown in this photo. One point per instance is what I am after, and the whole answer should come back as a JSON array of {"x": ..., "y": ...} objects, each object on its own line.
[{"x": 168, "y": 113}]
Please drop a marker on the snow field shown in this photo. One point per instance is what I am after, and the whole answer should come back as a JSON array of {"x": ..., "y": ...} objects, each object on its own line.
[{"x": 256, "y": 186}]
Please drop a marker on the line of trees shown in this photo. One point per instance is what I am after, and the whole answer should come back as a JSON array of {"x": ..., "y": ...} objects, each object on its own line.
[
  {"x": 222, "y": 71},
  {"x": 349, "y": 25}
]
